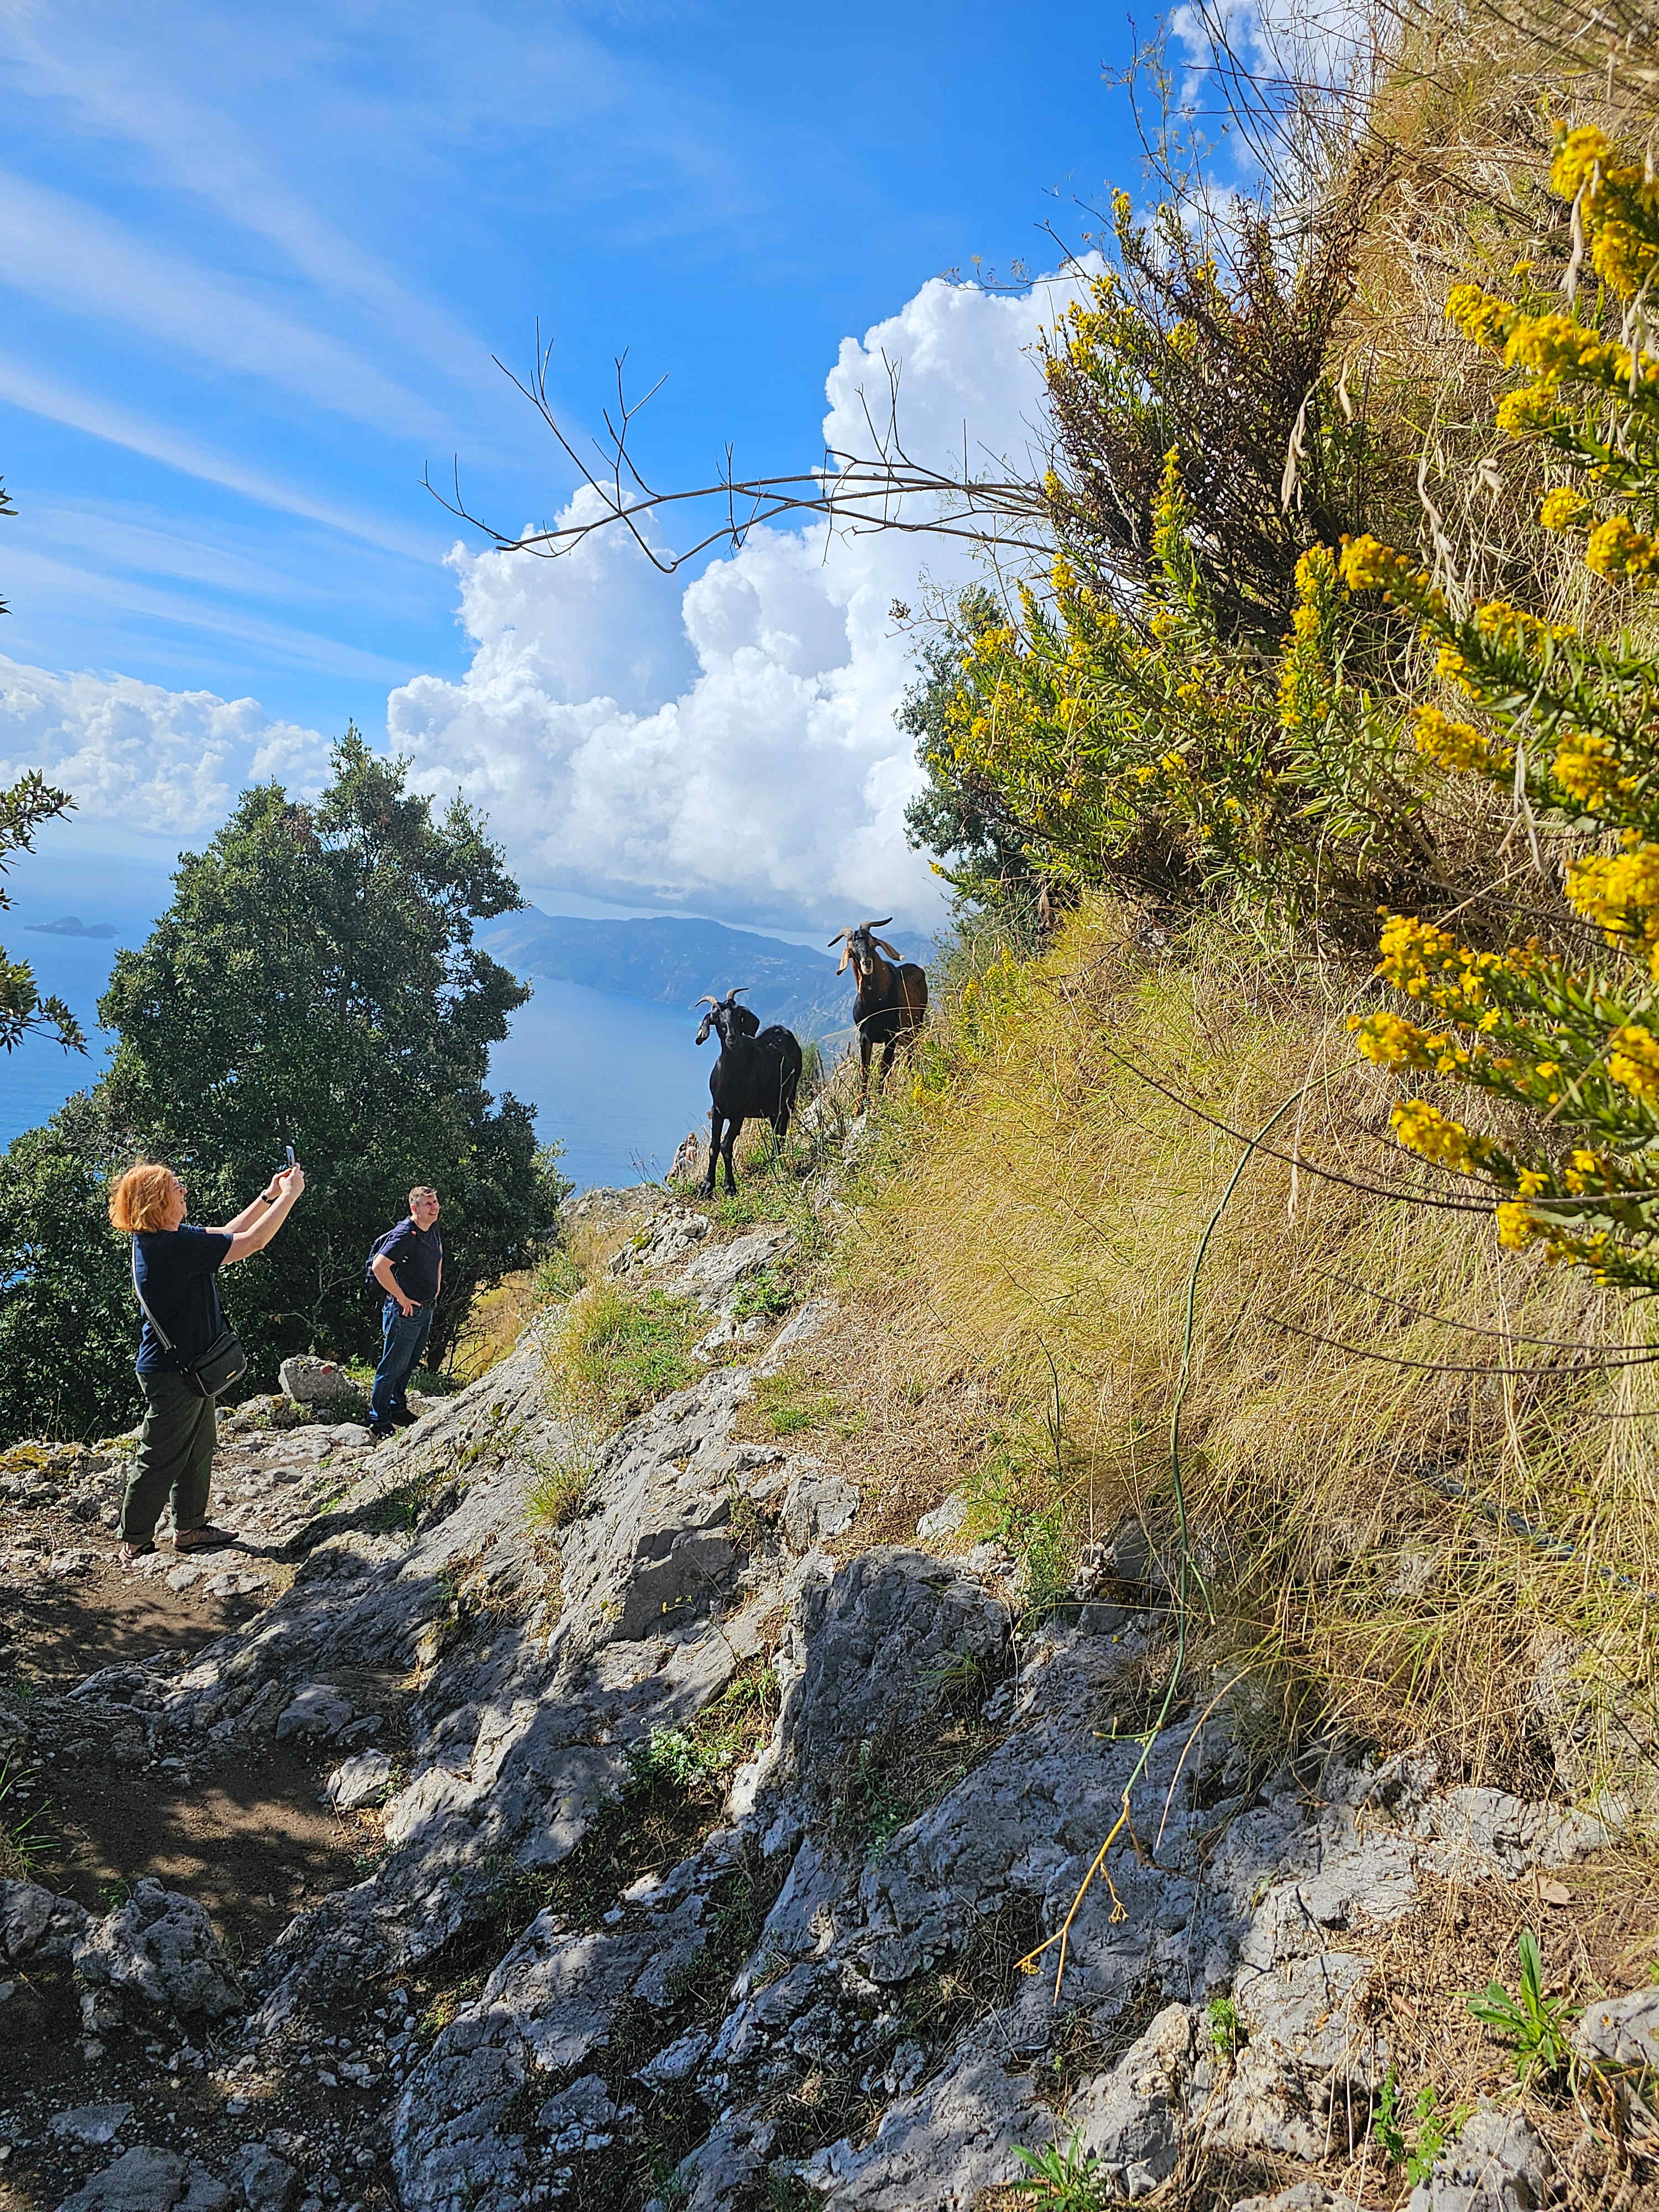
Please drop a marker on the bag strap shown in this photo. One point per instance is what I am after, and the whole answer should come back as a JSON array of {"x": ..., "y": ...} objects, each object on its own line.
[{"x": 161, "y": 1336}]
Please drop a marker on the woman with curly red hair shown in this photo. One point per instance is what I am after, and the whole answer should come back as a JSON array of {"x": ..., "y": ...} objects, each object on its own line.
[{"x": 173, "y": 1265}]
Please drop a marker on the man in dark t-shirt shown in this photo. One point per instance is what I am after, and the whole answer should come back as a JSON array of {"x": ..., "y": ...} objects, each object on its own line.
[{"x": 409, "y": 1266}]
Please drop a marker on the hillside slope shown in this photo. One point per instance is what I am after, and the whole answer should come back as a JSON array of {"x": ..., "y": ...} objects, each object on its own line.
[{"x": 715, "y": 1834}]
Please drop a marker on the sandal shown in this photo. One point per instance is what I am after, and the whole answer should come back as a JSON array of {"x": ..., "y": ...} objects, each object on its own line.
[
  {"x": 207, "y": 1538},
  {"x": 131, "y": 1551}
]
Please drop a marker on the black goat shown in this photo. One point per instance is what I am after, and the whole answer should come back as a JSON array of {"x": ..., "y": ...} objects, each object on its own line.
[
  {"x": 892, "y": 1003},
  {"x": 756, "y": 1078}
]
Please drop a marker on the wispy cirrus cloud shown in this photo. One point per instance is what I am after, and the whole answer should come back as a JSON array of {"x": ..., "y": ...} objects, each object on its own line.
[
  {"x": 50, "y": 579},
  {"x": 41, "y": 392},
  {"x": 55, "y": 250},
  {"x": 101, "y": 66}
]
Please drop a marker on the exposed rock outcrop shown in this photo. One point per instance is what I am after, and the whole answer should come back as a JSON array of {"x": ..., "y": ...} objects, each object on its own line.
[{"x": 820, "y": 1985}]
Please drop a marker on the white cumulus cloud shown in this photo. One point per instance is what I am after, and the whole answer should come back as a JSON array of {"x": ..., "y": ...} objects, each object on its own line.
[
  {"x": 730, "y": 744},
  {"x": 151, "y": 759},
  {"x": 725, "y": 745}
]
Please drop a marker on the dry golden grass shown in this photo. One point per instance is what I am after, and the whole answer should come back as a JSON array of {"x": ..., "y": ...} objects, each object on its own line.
[
  {"x": 499, "y": 1317},
  {"x": 1018, "y": 1272}
]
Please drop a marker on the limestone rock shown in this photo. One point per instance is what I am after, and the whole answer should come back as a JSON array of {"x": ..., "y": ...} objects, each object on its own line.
[
  {"x": 311, "y": 1381},
  {"x": 713, "y": 1277},
  {"x": 914, "y": 1614},
  {"x": 1497, "y": 2164},
  {"x": 1621, "y": 2031},
  {"x": 365, "y": 1778},
  {"x": 90, "y": 2123},
  {"x": 144, "y": 2180},
  {"x": 945, "y": 1519},
  {"x": 265, "y": 2182},
  {"x": 942, "y": 2147},
  {"x": 815, "y": 1506},
  {"x": 805, "y": 1322},
  {"x": 317, "y": 1710},
  {"x": 672, "y": 1236},
  {"x": 36, "y": 1925},
  {"x": 158, "y": 1950},
  {"x": 1131, "y": 2119}
]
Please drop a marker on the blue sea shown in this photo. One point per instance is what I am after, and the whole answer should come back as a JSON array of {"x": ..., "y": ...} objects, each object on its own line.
[{"x": 619, "y": 1081}]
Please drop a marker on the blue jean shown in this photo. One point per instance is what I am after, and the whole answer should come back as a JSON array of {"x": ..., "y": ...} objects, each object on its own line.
[{"x": 405, "y": 1341}]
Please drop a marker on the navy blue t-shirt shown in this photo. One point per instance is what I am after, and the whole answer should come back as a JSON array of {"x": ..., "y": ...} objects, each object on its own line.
[
  {"x": 175, "y": 1269},
  {"x": 416, "y": 1255}
]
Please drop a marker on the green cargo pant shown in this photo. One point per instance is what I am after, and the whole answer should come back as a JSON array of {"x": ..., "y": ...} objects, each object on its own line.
[{"x": 174, "y": 1459}]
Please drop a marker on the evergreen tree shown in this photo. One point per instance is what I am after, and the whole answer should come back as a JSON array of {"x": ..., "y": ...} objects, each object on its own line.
[
  {"x": 68, "y": 1331},
  {"x": 314, "y": 981}
]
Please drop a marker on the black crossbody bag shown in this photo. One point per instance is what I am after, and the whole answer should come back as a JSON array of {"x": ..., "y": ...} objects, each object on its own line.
[{"x": 224, "y": 1362}]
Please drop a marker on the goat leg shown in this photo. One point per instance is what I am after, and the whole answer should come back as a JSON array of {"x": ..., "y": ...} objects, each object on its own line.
[
  {"x": 732, "y": 1129},
  {"x": 713, "y": 1155}
]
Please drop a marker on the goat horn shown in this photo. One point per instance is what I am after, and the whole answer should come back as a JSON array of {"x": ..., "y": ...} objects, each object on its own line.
[
  {"x": 837, "y": 938},
  {"x": 705, "y": 1001},
  {"x": 736, "y": 988},
  {"x": 884, "y": 923}
]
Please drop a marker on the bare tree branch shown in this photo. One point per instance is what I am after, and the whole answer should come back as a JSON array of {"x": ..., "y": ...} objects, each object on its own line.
[{"x": 854, "y": 494}]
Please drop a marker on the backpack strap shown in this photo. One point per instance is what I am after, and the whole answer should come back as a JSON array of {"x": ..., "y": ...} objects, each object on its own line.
[{"x": 161, "y": 1336}]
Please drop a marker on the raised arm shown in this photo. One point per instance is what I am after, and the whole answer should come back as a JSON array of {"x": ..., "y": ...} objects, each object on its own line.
[
  {"x": 251, "y": 1212},
  {"x": 246, "y": 1242}
]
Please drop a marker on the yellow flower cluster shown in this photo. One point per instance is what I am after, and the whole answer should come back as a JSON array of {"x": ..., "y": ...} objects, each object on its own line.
[
  {"x": 1457, "y": 745},
  {"x": 1619, "y": 208},
  {"x": 1622, "y": 553},
  {"x": 1578, "y": 154},
  {"x": 1634, "y": 1061},
  {"x": 1619, "y": 892},
  {"x": 1589, "y": 1168},
  {"x": 1424, "y": 1129},
  {"x": 1564, "y": 508},
  {"x": 1518, "y": 1225},
  {"x": 1368, "y": 565},
  {"x": 1530, "y": 412},
  {"x": 1559, "y": 345},
  {"x": 1388, "y": 1041},
  {"x": 1586, "y": 767},
  {"x": 1478, "y": 314}
]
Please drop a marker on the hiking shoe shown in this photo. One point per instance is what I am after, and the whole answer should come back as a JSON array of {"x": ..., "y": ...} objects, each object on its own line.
[
  {"x": 131, "y": 1551},
  {"x": 402, "y": 1419},
  {"x": 381, "y": 1432},
  {"x": 207, "y": 1538}
]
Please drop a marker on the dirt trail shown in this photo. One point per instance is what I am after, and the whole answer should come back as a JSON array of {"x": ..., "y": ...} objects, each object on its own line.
[{"x": 89, "y": 1809}]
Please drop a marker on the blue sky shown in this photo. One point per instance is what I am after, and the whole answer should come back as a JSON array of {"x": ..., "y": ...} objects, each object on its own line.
[{"x": 254, "y": 265}]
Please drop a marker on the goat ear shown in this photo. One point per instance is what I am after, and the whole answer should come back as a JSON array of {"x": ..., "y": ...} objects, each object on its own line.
[
  {"x": 846, "y": 955},
  {"x": 892, "y": 951}
]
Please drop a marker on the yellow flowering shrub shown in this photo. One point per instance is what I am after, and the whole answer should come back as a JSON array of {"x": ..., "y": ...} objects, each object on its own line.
[
  {"x": 1150, "y": 753},
  {"x": 1569, "y": 725}
]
